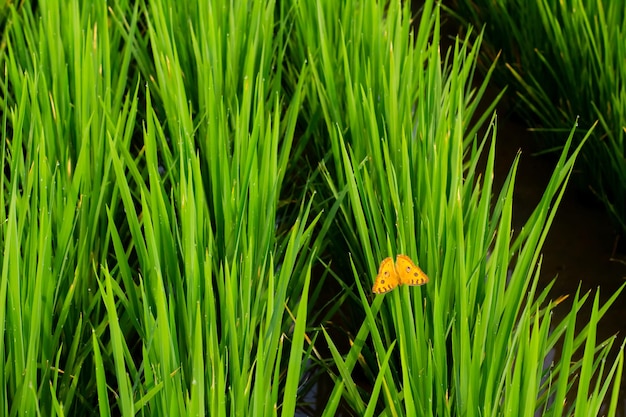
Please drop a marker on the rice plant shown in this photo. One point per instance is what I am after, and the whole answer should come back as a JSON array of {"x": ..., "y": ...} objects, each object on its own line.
[
  {"x": 146, "y": 267},
  {"x": 564, "y": 60},
  {"x": 174, "y": 171},
  {"x": 402, "y": 165}
]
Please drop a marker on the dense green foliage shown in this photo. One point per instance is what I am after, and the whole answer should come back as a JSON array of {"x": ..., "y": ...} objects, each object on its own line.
[
  {"x": 564, "y": 60},
  {"x": 184, "y": 180}
]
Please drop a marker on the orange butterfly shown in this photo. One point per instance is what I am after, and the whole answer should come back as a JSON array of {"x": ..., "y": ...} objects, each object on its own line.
[{"x": 404, "y": 272}]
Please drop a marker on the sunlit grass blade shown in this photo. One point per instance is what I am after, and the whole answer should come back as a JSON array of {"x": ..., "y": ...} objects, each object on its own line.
[
  {"x": 126, "y": 406},
  {"x": 103, "y": 398},
  {"x": 294, "y": 367}
]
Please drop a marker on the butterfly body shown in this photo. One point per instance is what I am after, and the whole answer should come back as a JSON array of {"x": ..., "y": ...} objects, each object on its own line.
[{"x": 403, "y": 272}]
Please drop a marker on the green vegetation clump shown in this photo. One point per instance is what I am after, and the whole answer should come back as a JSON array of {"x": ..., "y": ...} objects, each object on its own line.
[
  {"x": 564, "y": 62},
  {"x": 194, "y": 191}
]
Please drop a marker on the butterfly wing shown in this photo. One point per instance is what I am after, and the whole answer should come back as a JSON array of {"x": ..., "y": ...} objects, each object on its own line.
[
  {"x": 409, "y": 273},
  {"x": 387, "y": 278}
]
